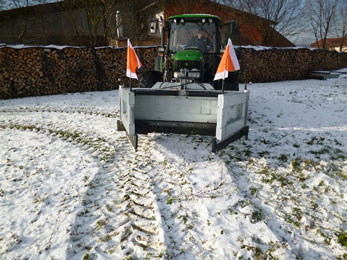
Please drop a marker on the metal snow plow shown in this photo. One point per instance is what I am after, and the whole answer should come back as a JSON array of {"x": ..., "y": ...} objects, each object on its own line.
[
  {"x": 177, "y": 96},
  {"x": 168, "y": 108}
]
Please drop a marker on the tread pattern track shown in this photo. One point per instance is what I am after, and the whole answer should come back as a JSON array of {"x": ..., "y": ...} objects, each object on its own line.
[
  {"x": 119, "y": 215},
  {"x": 69, "y": 110}
]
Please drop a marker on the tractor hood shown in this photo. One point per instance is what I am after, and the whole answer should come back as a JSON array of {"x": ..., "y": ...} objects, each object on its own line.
[{"x": 188, "y": 55}]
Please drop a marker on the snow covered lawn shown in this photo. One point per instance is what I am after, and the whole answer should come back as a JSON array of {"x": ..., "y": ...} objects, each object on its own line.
[{"x": 71, "y": 186}]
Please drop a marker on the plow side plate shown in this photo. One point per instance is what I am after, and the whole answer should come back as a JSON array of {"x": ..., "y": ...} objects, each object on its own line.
[
  {"x": 231, "y": 118},
  {"x": 127, "y": 114}
]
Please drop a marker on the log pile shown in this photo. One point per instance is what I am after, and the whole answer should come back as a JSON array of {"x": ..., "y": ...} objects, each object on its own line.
[
  {"x": 46, "y": 71},
  {"x": 41, "y": 71},
  {"x": 20, "y": 68},
  {"x": 286, "y": 64},
  {"x": 112, "y": 63}
]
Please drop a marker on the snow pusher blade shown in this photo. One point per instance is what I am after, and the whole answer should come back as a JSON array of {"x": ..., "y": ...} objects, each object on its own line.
[{"x": 193, "y": 111}]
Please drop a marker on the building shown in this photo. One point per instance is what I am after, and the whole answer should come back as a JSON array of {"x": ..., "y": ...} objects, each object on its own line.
[
  {"x": 337, "y": 44},
  {"x": 75, "y": 22}
]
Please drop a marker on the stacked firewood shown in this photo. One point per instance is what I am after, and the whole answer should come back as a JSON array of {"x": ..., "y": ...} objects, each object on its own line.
[
  {"x": 280, "y": 64},
  {"x": 41, "y": 71},
  {"x": 46, "y": 71},
  {"x": 20, "y": 68}
]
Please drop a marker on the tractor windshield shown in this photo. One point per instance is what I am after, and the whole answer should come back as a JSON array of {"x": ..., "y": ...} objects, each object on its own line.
[{"x": 191, "y": 35}]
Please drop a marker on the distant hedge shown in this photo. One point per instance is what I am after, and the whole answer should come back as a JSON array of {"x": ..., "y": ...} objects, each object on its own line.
[{"x": 45, "y": 71}]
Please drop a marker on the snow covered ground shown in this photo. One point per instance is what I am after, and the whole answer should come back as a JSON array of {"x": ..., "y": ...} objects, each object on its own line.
[{"x": 71, "y": 186}]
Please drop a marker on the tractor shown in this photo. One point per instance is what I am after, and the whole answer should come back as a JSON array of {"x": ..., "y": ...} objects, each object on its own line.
[
  {"x": 179, "y": 95},
  {"x": 183, "y": 54}
]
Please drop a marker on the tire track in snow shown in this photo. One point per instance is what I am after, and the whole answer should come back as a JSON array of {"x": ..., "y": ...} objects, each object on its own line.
[
  {"x": 127, "y": 228},
  {"x": 88, "y": 124},
  {"x": 180, "y": 208},
  {"x": 68, "y": 110},
  {"x": 40, "y": 200},
  {"x": 126, "y": 225}
]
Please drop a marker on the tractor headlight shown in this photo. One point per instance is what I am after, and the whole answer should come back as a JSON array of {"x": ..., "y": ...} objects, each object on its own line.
[
  {"x": 178, "y": 74},
  {"x": 203, "y": 20},
  {"x": 194, "y": 74}
]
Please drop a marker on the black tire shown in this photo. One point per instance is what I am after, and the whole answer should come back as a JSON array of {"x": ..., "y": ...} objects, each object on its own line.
[{"x": 149, "y": 78}]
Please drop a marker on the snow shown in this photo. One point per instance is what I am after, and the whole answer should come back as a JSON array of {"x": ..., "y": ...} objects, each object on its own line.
[
  {"x": 61, "y": 47},
  {"x": 25, "y": 46},
  {"x": 71, "y": 186}
]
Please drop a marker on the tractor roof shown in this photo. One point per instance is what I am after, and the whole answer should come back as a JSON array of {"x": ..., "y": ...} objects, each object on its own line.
[{"x": 187, "y": 16}]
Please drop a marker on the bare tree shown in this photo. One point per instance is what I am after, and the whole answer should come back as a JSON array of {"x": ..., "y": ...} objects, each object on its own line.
[
  {"x": 284, "y": 16},
  {"x": 19, "y": 26},
  {"x": 136, "y": 17},
  {"x": 341, "y": 25},
  {"x": 322, "y": 14},
  {"x": 99, "y": 15},
  {"x": 23, "y": 23}
]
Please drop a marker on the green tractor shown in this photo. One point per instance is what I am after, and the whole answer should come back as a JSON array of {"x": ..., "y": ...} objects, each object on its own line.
[
  {"x": 180, "y": 96},
  {"x": 193, "y": 51}
]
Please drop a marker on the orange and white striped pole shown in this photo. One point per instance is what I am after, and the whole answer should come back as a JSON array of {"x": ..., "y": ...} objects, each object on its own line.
[
  {"x": 133, "y": 62},
  {"x": 228, "y": 63}
]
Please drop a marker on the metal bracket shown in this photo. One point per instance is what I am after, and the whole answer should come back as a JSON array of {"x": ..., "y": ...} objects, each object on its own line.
[
  {"x": 133, "y": 140},
  {"x": 120, "y": 126},
  {"x": 218, "y": 146}
]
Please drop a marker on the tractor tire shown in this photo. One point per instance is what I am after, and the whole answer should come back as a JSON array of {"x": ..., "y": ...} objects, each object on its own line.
[{"x": 149, "y": 78}]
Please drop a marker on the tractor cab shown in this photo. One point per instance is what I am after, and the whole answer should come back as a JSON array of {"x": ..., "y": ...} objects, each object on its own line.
[
  {"x": 193, "y": 45},
  {"x": 193, "y": 34},
  {"x": 193, "y": 50}
]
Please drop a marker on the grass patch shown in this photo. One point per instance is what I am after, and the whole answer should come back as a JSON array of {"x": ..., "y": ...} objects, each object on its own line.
[
  {"x": 320, "y": 152},
  {"x": 288, "y": 219},
  {"x": 283, "y": 157},
  {"x": 316, "y": 140},
  {"x": 342, "y": 239},
  {"x": 257, "y": 216},
  {"x": 296, "y": 164},
  {"x": 253, "y": 191},
  {"x": 104, "y": 151},
  {"x": 263, "y": 154}
]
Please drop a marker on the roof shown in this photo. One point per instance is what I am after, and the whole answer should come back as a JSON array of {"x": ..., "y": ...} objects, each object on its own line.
[
  {"x": 194, "y": 16},
  {"x": 243, "y": 13},
  {"x": 59, "y": 6},
  {"x": 330, "y": 42},
  {"x": 31, "y": 10}
]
